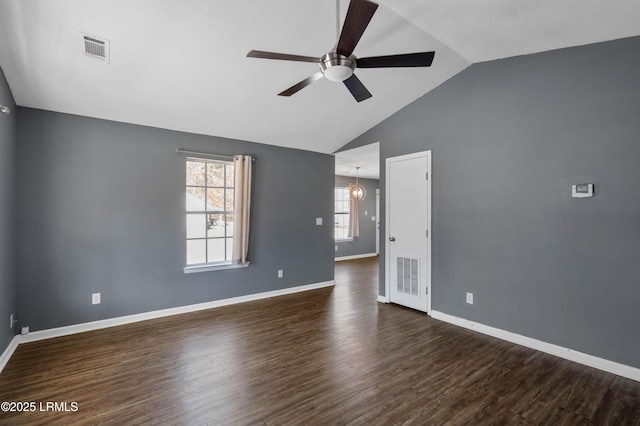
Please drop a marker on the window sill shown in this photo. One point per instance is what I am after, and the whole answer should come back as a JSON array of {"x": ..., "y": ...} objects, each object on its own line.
[
  {"x": 207, "y": 268},
  {"x": 344, "y": 240}
]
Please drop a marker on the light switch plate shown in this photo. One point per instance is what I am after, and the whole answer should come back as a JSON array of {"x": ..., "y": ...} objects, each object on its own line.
[
  {"x": 318, "y": 221},
  {"x": 582, "y": 190}
]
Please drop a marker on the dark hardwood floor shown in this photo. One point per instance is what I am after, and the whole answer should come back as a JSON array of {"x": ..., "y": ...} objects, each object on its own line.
[{"x": 328, "y": 356}]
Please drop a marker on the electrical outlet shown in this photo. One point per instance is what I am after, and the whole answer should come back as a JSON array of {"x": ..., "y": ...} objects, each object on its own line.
[
  {"x": 336, "y": 248},
  {"x": 25, "y": 330},
  {"x": 95, "y": 299},
  {"x": 11, "y": 322},
  {"x": 280, "y": 273},
  {"x": 318, "y": 221},
  {"x": 470, "y": 298}
]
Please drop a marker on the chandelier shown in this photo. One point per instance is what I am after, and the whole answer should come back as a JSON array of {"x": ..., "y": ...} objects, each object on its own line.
[{"x": 357, "y": 191}]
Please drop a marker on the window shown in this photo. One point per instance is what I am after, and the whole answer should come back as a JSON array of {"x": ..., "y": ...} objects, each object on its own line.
[
  {"x": 209, "y": 212},
  {"x": 342, "y": 213}
]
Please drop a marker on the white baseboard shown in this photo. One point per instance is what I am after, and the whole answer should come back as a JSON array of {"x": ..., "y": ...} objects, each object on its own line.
[
  {"x": 356, "y": 256},
  {"x": 382, "y": 299},
  {"x": 8, "y": 352},
  {"x": 112, "y": 322},
  {"x": 562, "y": 352}
]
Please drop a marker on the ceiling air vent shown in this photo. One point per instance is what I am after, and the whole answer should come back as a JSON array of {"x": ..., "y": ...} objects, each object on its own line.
[{"x": 96, "y": 48}]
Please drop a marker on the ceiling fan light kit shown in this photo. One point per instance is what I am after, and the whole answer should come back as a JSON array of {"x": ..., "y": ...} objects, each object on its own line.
[
  {"x": 336, "y": 67},
  {"x": 339, "y": 64}
]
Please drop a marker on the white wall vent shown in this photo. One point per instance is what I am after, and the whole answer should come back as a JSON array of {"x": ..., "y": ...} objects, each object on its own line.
[
  {"x": 408, "y": 276},
  {"x": 96, "y": 47}
]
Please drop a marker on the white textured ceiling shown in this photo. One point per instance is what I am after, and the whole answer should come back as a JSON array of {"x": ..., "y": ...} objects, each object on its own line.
[
  {"x": 366, "y": 157},
  {"x": 491, "y": 29},
  {"x": 181, "y": 65}
]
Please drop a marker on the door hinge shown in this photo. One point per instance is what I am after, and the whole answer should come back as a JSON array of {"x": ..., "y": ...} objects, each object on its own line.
[
  {"x": 427, "y": 175},
  {"x": 426, "y": 290},
  {"x": 427, "y": 233}
]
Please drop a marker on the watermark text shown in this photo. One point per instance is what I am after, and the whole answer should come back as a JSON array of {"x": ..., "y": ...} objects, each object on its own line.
[{"x": 40, "y": 406}]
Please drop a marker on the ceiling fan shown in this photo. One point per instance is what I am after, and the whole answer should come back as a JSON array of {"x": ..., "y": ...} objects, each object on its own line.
[{"x": 340, "y": 63}]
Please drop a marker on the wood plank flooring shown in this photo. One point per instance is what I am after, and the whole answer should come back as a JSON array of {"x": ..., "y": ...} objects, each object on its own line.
[{"x": 328, "y": 356}]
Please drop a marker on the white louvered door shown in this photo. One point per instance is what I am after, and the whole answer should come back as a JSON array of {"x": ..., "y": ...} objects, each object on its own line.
[{"x": 408, "y": 230}]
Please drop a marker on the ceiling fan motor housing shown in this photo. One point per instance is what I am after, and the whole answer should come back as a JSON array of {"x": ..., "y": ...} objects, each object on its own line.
[{"x": 337, "y": 67}]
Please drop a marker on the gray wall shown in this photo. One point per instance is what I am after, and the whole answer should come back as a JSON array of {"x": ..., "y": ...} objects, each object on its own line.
[
  {"x": 509, "y": 137},
  {"x": 366, "y": 242},
  {"x": 8, "y": 141},
  {"x": 102, "y": 210}
]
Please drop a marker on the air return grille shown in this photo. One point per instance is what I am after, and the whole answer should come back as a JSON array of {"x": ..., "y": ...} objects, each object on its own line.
[
  {"x": 96, "y": 48},
  {"x": 407, "y": 278}
]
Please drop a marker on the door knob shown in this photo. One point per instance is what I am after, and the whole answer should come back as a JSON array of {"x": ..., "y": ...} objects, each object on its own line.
[{"x": 392, "y": 239}]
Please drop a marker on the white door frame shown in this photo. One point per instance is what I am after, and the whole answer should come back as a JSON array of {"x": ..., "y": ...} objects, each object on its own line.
[
  {"x": 377, "y": 221},
  {"x": 388, "y": 162}
]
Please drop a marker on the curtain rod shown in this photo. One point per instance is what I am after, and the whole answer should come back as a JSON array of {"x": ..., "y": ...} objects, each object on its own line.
[{"x": 219, "y": 157}]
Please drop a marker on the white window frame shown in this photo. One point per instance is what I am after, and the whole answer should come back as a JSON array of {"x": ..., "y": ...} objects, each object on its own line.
[
  {"x": 208, "y": 266},
  {"x": 335, "y": 213}
]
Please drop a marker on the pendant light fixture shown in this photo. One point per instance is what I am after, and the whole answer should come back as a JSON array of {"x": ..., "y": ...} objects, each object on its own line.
[{"x": 357, "y": 191}]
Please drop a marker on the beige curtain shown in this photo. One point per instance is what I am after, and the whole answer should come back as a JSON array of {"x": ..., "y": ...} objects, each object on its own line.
[
  {"x": 242, "y": 204},
  {"x": 354, "y": 221}
]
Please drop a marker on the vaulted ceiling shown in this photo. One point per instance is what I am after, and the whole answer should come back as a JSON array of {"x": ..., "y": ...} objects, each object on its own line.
[{"x": 182, "y": 65}]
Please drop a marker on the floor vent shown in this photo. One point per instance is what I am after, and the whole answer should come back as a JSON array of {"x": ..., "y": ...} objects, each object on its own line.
[
  {"x": 408, "y": 276},
  {"x": 96, "y": 48}
]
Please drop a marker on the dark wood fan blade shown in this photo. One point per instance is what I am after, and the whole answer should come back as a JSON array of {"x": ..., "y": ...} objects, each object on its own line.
[
  {"x": 422, "y": 59},
  {"x": 358, "y": 17},
  {"x": 281, "y": 56},
  {"x": 299, "y": 86},
  {"x": 357, "y": 89}
]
